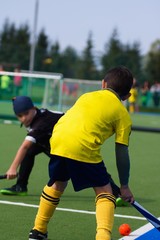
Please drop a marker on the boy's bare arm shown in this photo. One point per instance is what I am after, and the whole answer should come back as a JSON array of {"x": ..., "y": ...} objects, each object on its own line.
[{"x": 12, "y": 171}]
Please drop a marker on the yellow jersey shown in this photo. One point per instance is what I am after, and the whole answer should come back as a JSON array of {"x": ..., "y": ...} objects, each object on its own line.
[{"x": 95, "y": 116}]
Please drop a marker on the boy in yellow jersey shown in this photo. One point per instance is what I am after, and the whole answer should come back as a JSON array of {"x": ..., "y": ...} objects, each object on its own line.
[{"x": 75, "y": 152}]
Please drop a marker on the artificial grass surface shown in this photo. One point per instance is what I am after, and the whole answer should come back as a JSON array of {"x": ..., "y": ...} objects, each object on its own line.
[{"x": 16, "y": 221}]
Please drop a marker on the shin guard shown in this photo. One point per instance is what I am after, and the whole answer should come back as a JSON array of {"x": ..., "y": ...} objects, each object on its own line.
[
  {"x": 105, "y": 205},
  {"x": 48, "y": 202}
]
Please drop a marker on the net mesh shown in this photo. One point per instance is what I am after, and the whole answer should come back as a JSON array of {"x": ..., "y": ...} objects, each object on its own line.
[{"x": 50, "y": 91}]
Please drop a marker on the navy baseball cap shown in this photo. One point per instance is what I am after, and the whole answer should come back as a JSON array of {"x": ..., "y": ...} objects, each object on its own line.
[{"x": 22, "y": 104}]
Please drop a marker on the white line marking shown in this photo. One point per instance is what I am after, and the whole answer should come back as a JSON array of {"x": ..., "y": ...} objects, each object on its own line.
[{"x": 67, "y": 209}]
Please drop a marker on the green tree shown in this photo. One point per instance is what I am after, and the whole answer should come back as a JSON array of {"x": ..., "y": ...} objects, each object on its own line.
[
  {"x": 41, "y": 52},
  {"x": 133, "y": 60},
  {"x": 114, "y": 53},
  {"x": 87, "y": 67},
  {"x": 69, "y": 62},
  {"x": 6, "y": 48},
  {"x": 152, "y": 65},
  {"x": 14, "y": 46},
  {"x": 22, "y": 50},
  {"x": 117, "y": 54},
  {"x": 56, "y": 59}
]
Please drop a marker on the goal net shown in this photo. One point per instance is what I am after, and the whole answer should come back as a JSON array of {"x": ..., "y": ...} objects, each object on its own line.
[
  {"x": 62, "y": 94},
  {"x": 50, "y": 91},
  {"x": 34, "y": 85}
]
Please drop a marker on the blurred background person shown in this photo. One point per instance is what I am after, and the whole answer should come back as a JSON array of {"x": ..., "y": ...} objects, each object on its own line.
[
  {"x": 5, "y": 84},
  {"x": 145, "y": 94},
  {"x": 132, "y": 101},
  {"x": 17, "y": 82},
  {"x": 155, "y": 91}
]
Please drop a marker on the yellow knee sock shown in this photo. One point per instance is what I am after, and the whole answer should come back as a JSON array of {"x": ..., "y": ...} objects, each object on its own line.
[
  {"x": 48, "y": 203},
  {"x": 105, "y": 205}
]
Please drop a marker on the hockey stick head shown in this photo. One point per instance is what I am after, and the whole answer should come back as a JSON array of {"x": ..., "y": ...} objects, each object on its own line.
[{"x": 150, "y": 217}]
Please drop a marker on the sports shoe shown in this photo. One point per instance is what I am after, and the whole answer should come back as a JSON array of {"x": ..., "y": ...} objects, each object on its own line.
[
  {"x": 121, "y": 203},
  {"x": 14, "y": 190},
  {"x": 36, "y": 235}
]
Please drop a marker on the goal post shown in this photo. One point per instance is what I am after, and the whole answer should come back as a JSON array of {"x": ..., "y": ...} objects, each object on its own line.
[
  {"x": 33, "y": 85},
  {"x": 62, "y": 94},
  {"x": 47, "y": 90},
  {"x": 52, "y": 94}
]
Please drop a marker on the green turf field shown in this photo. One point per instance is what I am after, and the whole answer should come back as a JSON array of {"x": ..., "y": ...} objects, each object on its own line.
[{"x": 16, "y": 221}]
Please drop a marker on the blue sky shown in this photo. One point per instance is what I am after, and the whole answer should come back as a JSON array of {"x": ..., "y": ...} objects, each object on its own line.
[{"x": 70, "y": 21}]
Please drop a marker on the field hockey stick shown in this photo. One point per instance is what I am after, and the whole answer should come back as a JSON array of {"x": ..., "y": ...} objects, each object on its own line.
[
  {"x": 3, "y": 176},
  {"x": 149, "y": 216}
]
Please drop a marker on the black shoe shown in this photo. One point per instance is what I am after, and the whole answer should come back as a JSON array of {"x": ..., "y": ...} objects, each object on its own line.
[
  {"x": 36, "y": 235},
  {"x": 14, "y": 190}
]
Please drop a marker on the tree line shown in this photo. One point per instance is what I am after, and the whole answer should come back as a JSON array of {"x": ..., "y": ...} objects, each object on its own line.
[{"x": 15, "y": 47}]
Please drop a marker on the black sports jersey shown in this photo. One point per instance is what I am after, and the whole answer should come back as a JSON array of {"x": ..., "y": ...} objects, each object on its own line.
[{"x": 40, "y": 130}]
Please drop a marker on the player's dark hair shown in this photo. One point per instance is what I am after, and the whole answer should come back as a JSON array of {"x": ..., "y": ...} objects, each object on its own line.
[{"x": 120, "y": 79}]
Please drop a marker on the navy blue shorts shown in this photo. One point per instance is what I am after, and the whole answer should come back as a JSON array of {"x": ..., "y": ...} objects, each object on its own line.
[{"x": 83, "y": 175}]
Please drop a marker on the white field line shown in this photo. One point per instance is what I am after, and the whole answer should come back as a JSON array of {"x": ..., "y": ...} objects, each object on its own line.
[{"x": 67, "y": 209}]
